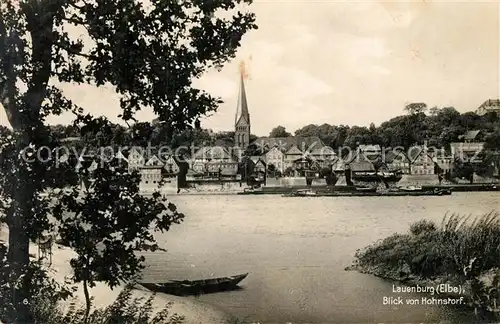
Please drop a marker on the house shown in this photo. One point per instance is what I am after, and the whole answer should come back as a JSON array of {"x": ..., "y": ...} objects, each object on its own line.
[
  {"x": 210, "y": 156},
  {"x": 338, "y": 166},
  {"x": 170, "y": 166},
  {"x": 120, "y": 160},
  {"x": 285, "y": 143},
  {"x": 197, "y": 166},
  {"x": 218, "y": 168},
  {"x": 291, "y": 155},
  {"x": 370, "y": 151},
  {"x": 324, "y": 156},
  {"x": 209, "y": 153},
  {"x": 155, "y": 160},
  {"x": 136, "y": 158},
  {"x": 275, "y": 157},
  {"x": 361, "y": 167},
  {"x": 444, "y": 163},
  {"x": 122, "y": 155},
  {"x": 73, "y": 139},
  {"x": 303, "y": 164},
  {"x": 151, "y": 175},
  {"x": 229, "y": 170},
  {"x": 491, "y": 105},
  {"x": 474, "y": 136},
  {"x": 422, "y": 160},
  {"x": 193, "y": 175},
  {"x": 255, "y": 167},
  {"x": 395, "y": 160},
  {"x": 467, "y": 152},
  {"x": 259, "y": 167}
]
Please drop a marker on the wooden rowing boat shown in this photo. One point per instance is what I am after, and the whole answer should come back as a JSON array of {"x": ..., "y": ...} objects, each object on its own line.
[{"x": 195, "y": 287}]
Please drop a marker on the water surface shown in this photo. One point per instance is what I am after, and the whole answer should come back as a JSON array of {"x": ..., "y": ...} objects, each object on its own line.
[{"x": 296, "y": 250}]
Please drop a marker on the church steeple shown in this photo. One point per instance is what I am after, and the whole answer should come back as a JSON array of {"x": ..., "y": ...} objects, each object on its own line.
[
  {"x": 242, "y": 106},
  {"x": 242, "y": 118}
]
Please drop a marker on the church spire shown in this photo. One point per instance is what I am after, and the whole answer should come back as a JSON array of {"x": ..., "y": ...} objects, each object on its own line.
[{"x": 242, "y": 107}]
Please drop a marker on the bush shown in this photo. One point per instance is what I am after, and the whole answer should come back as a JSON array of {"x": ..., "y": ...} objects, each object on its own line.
[
  {"x": 422, "y": 227},
  {"x": 124, "y": 309},
  {"x": 461, "y": 251},
  {"x": 41, "y": 286}
]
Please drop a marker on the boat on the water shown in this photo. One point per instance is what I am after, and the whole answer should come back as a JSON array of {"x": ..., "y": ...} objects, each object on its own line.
[
  {"x": 301, "y": 193},
  {"x": 366, "y": 189},
  {"x": 252, "y": 189},
  {"x": 398, "y": 193},
  {"x": 196, "y": 287},
  {"x": 387, "y": 176},
  {"x": 411, "y": 188}
]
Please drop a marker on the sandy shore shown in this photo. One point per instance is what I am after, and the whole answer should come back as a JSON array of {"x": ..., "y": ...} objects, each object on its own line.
[{"x": 192, "y": 310}]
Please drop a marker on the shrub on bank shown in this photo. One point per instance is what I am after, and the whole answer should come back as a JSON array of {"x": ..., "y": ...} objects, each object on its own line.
[
  {"x": 124, "y": 309},
  {"x": 460, "y": 251}
]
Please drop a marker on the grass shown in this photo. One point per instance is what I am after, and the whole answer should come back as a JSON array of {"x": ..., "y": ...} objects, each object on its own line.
[{"x": 460, "y": 250}]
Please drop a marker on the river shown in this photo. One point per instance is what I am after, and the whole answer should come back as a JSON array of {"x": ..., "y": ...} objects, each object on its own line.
[{"x": 296, "y": 249}]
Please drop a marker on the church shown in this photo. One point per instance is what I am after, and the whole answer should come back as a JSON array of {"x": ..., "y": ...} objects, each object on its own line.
[
  {"x": 242, "y": 118},
  {"x": 292, "y": 152}
]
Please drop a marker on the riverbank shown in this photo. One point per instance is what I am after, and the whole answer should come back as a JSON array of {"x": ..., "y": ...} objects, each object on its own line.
[
  {"x": 193, "y": 311},
  {"x": 461, "y": 253}
]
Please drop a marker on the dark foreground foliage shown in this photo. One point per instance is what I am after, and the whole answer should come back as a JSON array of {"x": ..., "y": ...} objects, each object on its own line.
[
  {"x": 460, "y": 251},
  {"x": 124, "y": 309}
]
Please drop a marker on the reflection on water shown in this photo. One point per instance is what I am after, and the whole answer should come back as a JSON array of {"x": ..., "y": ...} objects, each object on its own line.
[{"x": 296, "y": 251}]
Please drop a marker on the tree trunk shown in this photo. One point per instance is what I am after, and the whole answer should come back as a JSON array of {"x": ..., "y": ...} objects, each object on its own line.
[
  {"x": 87, "y": 300},
  {"x": 18, "y": 256}
]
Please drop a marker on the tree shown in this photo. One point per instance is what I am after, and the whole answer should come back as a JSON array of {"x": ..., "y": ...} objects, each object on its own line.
[
  {"x": 279, "y": 131},
  {"x": 141, "y": 134},
  {"x": 415, "y": 108},
  {"x": 492, "y": 141},
  {"x": 139, "y": 51},
  {"x": 308, "y": 130},
  {"x": 105, "y": 239},
  {"x": 434, "y": 111},
  {"x": 271, "y": 169}
]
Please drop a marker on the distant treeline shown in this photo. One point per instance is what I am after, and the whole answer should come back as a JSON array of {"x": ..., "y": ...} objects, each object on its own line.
[{"x": 438, "y": 127}]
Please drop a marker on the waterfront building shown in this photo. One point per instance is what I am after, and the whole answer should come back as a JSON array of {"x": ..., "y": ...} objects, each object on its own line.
[
  {"x": 285, "y": 143},
  {"x": 122, "y": 155},
  {"x": 338, "y": 166},
  {"x": 396, "y": 160},
  {"x": 275, "y": 157},
  {"x": 445, "y": 164},
  {"x": 136, "y": 159},
  {"x": 259, "y": 166},
  {"x": 210, "y": 159},
  {"x": 212, "y": 153},
  {"x": 151, "y": 175},
  {"x": 422, "y": 160},
  {"x": 371, "y": 151},
  {"x": 171, "y": 167},
  {"x": 292, "y": 154},
  {"x": 155, "y": 160},
  {"x": 324, "y": 157}
]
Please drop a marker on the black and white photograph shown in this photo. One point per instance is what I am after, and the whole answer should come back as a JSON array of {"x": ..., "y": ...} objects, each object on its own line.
[{"x": 249, "y": 161}]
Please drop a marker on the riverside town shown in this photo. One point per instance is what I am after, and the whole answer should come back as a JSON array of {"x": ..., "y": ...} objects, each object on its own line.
[{"x": 239, "y": 161}]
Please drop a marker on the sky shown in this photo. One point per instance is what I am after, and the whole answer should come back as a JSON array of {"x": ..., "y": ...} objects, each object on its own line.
[{"x": 351, "y": 63}]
